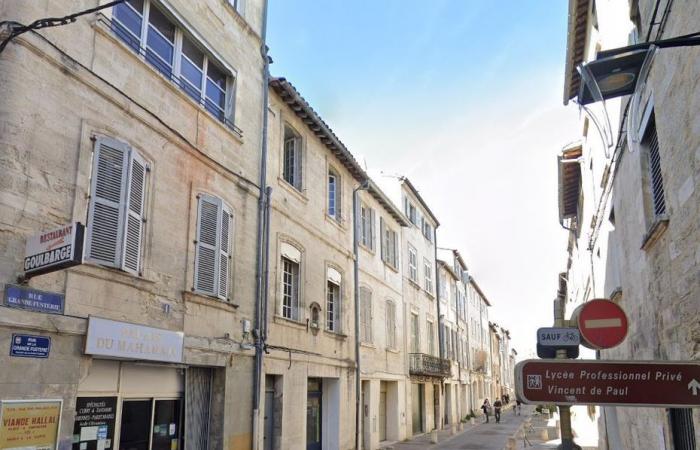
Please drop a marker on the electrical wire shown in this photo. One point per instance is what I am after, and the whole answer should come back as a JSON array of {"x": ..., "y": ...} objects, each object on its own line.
[{"x": 48, "y": 22}]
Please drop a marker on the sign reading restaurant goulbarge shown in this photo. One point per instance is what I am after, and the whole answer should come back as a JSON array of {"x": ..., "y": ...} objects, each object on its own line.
[
  {"x": 609, "y": 383},
  {"x": 54, "y": 249},
  {"x": 130, "y": 341}
]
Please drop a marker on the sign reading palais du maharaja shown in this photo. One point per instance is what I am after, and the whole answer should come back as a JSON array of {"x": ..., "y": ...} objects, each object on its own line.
[{"x": 125, "y": 340}]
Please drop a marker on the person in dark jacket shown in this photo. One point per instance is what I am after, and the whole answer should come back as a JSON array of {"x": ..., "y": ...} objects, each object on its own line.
[
  {"x": 486, "y": 407},
  {"x": 497, "y": 410}
]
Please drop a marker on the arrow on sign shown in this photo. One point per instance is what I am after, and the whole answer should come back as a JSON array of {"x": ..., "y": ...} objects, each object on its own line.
[{"x": 694, "y": 386}]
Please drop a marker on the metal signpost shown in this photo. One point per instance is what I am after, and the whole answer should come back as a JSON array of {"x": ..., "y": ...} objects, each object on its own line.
[{"x": 670, "y": 384}]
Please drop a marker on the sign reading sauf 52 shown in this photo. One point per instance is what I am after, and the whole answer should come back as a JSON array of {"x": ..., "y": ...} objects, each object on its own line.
[{"x": 614, "y": 383}]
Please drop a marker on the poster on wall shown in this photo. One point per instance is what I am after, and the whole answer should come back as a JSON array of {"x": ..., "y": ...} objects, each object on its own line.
[
  {"x": 94, "y": 423},
  {"x": 29, "y": 423}
]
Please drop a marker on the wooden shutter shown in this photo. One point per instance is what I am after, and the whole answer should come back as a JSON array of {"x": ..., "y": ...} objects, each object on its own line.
[
  {"x": 395, "y": 253},
  {"x": 298, "y": 181},
  {"x": 372, "y": 237},
  {"x": 105, "y": 228},
  {"x": 207, "y": 247},
  {"x": 134, "y": 214},
  {"x": 224, "y": 252},
  {"x": 383, "y": 239}
]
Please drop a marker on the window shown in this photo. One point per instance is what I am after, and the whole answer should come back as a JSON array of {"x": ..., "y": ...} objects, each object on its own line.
[
  {"x": 212, "y": 255},
  {"x": 412, "y": 264},
  {"x": 389, "y": 245},
  {"x": 428, "y": 275},
  {"x": 410, "y": 211},
  {"x": 448, "y": 347},
  {"x": 176, "y": 55},
  {"x": 291, "y": 167},
  {"x": 290, "y": 262},
  {"x": 116, "y": 210},
  {"x": 427, "y": 229},
  {"x": 365, "y": 315},
  {"x": 415, "y": 334},
  {"x": 454, "y": 345},
  {"x": 390, "y": 324},
  {"x": 656, "y": 183},
  {"x": 443, "y": 286},
  {"x": 367, "y": 226},
  {"x": 430, "y": 332},
  {"x": 333, "y": 301},
  {"x": 334, "y": 187}
]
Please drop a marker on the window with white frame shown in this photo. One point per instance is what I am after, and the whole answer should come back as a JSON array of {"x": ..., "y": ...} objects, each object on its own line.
[
  {"x": 415, "y": 334},
  {"x": 412, "y": 264},
  {"x": 365, "y": 315},
  {"x": 333, "y": 300},
  {"x": 115, "y": 223},
  {"x": 212, "y": 251},
  {"x": 291, "y": 159},
  {"x": 145, "y": 28},
  {"x": 428, "y": 276},
  {"x": 410, "y": 211},
  {"x": 390, "y": 324},
  {"x": 389, "y": 245},
  {"x": 367, "y": 226},
  {"x": 430, "y": 332},
  {"x": 334, "y": 190},
  {"x": 290, "y": 269},
  {"x": 427, "y": 229}
]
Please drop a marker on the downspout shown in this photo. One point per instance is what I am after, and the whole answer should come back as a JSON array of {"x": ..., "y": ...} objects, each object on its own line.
[
  {"x": 440, "y": 326},
  {"x": 356, "y": 288},
  {"x": 260, "y": 244}
]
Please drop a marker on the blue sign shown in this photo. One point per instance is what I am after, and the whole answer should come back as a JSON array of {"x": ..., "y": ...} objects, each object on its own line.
[
  {"x": 28, "y": 346},
  {"x": 33, "y": 299}
]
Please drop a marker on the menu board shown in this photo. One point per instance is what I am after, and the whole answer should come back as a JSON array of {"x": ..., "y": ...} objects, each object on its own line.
[
  {"x": 29, "y": 423},
  {"x": 94, "y": 423}
]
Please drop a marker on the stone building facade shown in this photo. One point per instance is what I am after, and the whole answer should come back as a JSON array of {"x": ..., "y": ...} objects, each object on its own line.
[
  {"x": 141, "y": 122},
  {"x": 631, "y": 202}
]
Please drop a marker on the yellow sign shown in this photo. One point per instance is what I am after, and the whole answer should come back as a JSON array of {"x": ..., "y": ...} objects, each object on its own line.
[{"x": 29, "y": 424}]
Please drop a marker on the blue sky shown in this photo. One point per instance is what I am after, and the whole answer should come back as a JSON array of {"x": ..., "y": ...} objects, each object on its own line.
[{"x": 463, "y": 97}]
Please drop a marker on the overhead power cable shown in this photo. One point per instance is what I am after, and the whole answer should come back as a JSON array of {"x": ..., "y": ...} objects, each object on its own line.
[{"x": 18, "y": 29}]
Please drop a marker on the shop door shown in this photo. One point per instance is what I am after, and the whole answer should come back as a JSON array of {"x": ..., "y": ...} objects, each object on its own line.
[
  {"x": 166, "y": 432},
  {"x": 313, "y": 414},
  {"x": 268, "y": 437},
  {"x": 135, "y": 425},
  {"x": 382, "y": 411},
  {"x": 417, "y": 407}
]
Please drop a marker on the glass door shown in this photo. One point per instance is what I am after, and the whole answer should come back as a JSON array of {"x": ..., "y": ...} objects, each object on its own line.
[
  {"x": 135, "y": 425},
  {"x": 313, "y": 414},
  {"x": 166, "y": 425}
]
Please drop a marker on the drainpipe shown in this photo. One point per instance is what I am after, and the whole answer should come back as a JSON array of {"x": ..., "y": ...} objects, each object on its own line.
[
  {"x": 441, "y": 333},
  {"x": 260, "y": 256},
  {"x": 356, "y": 287}
]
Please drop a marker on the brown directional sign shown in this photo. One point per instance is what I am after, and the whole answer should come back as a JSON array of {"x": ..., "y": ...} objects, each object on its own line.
[{"x": 610, "y": 383}]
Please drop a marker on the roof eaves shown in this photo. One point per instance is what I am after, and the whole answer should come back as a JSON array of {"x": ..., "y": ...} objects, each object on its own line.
[
  {"x": 478, "y": 289},
  {"x": 315, "y": 123},
  {"x": 387, "y": 204},
  {"x": 569, "y": 174},
  {"x": 448, "y": 267},
  {"x": 575, "y": 46},
  {"x": 410, "y": 185}
]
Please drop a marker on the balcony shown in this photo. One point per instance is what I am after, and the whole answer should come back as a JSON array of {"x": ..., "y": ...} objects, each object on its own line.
[{"x": 430, "y": 366}]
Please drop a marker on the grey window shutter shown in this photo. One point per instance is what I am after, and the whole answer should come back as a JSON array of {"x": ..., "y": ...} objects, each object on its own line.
[
  {"x": 207, "y": 247},
  {"x": 383, "y": 240},
  {"x": 107, "y": 196},
  {"x": 372, "y": 238},
  {"x": 224, "y": 253},
  {"x": 134, "y": 214},
  {"x": 298, "y": 181},
  {"x": 395, "y": 253}
]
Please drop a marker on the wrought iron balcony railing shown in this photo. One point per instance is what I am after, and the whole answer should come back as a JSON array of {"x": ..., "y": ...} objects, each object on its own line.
[{"x": 427, "y": 365}]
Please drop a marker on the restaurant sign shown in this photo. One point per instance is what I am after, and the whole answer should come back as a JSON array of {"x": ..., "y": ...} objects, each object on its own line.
[
  {"x": 124, "y": 340},
  {"x": 29, "y": 424},
  {"x": 54, "y": 249}
]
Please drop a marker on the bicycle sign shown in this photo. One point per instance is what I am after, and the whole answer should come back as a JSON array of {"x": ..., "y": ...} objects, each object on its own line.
[{"x": 558, "y": 337}]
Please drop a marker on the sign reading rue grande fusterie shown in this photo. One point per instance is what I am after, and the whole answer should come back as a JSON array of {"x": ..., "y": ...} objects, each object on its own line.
[
  {"x": 609, "y": 383},
  {"x": 54, "y": 249},
  {"x": 33, "y": 299}
]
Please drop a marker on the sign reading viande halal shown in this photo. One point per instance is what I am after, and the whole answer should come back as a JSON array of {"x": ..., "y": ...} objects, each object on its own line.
[
  {"x": 54, "y": 249},
  {"x": 124, "y": 340},
  {"x": 609, "y": 383}
]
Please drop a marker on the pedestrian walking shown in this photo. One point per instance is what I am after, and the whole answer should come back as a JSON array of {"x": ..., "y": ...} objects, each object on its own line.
[
  {"x": 497, "y": 410},
  {"x": 486, "y": 407},
  {"x": 517, "y": 406}
]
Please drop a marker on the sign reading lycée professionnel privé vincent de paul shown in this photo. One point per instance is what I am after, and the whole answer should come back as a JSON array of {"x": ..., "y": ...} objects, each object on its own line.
[{"x": 54, "y": 249}]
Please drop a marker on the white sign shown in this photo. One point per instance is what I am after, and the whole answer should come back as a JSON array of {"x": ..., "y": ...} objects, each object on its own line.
[
  {"x": 129, "y": 341},
  {"x": 54, "y": 249},
  {"x": 558, "y": 337}
]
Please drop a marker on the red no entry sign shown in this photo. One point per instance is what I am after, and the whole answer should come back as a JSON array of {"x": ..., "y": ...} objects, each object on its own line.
[
  {"x": 609, "y": 383},
  {"x": 602, "y": 323}
]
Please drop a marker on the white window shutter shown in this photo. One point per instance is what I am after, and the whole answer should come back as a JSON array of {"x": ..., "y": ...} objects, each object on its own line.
[
  {"x": 206, "y": 276},
  {"x": 372, "y": 238},
  {"x": 383, "y": 240},
  {"x": 224, "y": 252},
  {"x": 105, "y": 228},
  {"x": 298, "y": 181},
  {"x": 133, "y": 232}
]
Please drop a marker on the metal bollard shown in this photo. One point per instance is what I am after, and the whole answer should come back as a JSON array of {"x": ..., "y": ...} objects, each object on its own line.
[{"x": 434, "y": 436}]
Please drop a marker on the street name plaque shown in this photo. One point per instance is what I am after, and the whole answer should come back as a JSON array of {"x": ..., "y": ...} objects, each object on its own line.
[{"x": 609, "y": 383}]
